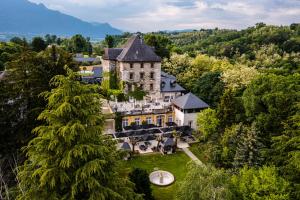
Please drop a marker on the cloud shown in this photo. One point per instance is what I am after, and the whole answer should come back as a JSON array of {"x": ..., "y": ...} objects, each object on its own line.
[{"x": 153, "y": 15}]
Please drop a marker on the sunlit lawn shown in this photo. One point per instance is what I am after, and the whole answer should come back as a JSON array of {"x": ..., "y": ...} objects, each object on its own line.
[{"x": 174, "y": 163}]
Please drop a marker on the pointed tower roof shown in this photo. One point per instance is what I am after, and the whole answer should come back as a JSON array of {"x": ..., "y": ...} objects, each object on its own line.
[
  {"x": 135, "y": 50},
  {"x": 189, "y": 101}
]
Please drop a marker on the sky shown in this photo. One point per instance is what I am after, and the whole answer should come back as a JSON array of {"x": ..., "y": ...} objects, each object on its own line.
[{"x": 154, "y": 15}]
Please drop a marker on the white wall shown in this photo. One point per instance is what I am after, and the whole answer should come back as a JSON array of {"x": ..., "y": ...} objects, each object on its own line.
[{"x": 183, "y": 119}]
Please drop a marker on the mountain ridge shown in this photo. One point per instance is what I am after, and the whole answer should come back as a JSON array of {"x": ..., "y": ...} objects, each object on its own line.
[{"x": 24, "y": 17}]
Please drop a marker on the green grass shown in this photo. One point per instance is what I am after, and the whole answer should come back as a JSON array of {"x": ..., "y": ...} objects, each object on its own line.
[{"x": 174, "y": 163}]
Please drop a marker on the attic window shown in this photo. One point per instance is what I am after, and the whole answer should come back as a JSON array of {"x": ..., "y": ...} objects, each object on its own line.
[{"x": 173, "y": 83}]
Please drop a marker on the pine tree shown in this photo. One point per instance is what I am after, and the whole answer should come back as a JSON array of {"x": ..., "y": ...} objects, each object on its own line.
[
  {"x": 249, "y": 148},
  {"x": 71, "y": 158},
  {"x": 287, "y": 152},
  {"x": 142, "y": 183}
]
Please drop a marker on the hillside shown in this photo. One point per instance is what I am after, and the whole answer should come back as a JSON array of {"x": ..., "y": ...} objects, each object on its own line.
[{"x": 26, "y": 18}]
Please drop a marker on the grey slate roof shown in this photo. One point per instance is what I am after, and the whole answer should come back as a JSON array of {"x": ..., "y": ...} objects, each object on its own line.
[
  {"x": 98, "y": 72},
  {"x": 189, "y": 101},
  {"x": 84, "y": 59},
  {"x": 112, "y": 53},
  {"x": 135, "y": 50},
  {"x": 168, "y": 83},
  {"x": 126, "y": 146}
]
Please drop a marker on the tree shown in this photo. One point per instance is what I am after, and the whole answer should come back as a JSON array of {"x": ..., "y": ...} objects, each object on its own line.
[
  {"x": 204, "y": 182},
  {"x": 209, "y": 87},
  {"x": 141, "y": 180},
  {"x": 230, "y": 108},
  {"x": 161, "y": 44},
  {"x": 175, "y": 135},
  {"x": 38, "y": 44},
  {"x": 239, "y": 77},
  {"x": 269, "y": 100},
  {"x": 71, "y": 158},
  {"x": 159, "y": 139},
  {"x": 263, "y": 183},
  {"x": 208, "y": 123},
  {"x": 133, "y": 141},
  {"x": 249, "y": 148},
  {"x": 19, "y": 41},
  {"x": 110, "y": 42},
  {"x": 79, "y": 44},
  {"x": 286, "y": 154}
]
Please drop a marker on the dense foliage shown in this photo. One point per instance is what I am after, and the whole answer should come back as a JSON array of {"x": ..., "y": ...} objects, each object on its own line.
[
  {"x": 142, "y": 183},
  {"x": 250, "y": 134},
  {"x": 250, "y": 78},
  {"x": 70, "y": 158}
]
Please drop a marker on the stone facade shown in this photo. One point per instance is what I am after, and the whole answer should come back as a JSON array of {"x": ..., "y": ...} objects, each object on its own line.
[
  {"x": 147, "y": 76},
  {"x": 136, "y": 65}
]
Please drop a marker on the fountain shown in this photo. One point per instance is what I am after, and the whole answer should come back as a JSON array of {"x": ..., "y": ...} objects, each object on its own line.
[{"x": 161, "y": 178}]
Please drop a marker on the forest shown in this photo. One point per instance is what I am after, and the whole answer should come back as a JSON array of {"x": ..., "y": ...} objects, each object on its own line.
[{"x": 52, "y": 143}]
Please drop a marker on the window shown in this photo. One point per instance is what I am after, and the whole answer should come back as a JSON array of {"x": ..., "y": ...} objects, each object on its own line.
[
  {"x": 131, "y": 65},
  {"x": 170, "y": 118},
  {"x": 142, "y": 74},
  {"x": 124, "y": 123},
  {"x": 190, "y": 123},
  {"x": 152, "y": 75},
  {"x": 151, "y": 86},
  {"x": 142, "y": 65},
  {"x": 149, "y": 120},
  {"x": 159, "y": 120},
  {"x": 141, "y": 86},
  {"x": 137, "y": 121},
  {"x": 131, "y": 75},
  {"x": 152, "y": 65}
]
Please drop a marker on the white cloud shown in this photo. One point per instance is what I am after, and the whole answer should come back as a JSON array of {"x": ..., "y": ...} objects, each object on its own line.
[{"x": 152, "y": 15}]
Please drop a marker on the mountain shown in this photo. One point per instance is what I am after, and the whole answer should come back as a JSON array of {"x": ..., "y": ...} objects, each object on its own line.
[{"x": 23, "y": 17}]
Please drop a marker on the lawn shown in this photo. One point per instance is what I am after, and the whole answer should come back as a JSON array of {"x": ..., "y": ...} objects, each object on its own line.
[{"x": 174, "y": 163}]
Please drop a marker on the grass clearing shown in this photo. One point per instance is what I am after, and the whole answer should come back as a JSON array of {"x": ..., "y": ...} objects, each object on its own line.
[{"x": 174, "y": 163}]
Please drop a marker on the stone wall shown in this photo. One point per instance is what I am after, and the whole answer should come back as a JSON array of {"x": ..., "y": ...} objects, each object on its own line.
[{"x": 131, "y": 74}]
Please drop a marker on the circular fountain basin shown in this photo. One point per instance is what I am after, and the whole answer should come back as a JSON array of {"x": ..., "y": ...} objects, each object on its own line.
[{"x": 161, "y": 178}]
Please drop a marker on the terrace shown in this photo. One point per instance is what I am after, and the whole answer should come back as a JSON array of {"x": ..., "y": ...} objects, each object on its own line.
[
  {"x": 133, "y": 107},
  {"x": 146, "y": 139}
]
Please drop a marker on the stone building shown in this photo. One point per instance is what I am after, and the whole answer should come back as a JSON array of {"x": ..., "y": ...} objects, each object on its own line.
[{"x": 136, "y": 64}]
